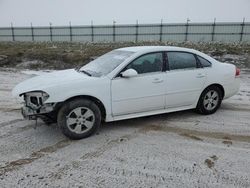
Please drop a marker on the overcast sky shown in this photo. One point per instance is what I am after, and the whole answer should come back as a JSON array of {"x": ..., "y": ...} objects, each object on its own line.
[{"x": 81, "y": 12}]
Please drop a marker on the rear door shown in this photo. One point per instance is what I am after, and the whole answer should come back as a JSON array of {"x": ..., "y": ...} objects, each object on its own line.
[{"x": 184, "y": 79}]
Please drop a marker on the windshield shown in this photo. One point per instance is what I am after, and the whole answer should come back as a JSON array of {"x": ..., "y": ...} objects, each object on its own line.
[{"x": 105, "y": 63}]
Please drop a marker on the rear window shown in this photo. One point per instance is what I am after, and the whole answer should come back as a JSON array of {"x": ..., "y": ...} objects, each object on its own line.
[
  {"x": 204, "y": 62},
  {"x": 181, "y": 60}
]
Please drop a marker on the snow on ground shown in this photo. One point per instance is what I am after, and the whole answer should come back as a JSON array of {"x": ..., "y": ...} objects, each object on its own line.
[
  {"x": 180, "y": 149},
  {"x": 36, "y": 73}
]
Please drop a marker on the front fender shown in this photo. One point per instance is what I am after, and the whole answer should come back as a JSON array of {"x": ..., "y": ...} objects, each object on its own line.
[{"x": 99, "y": 90}]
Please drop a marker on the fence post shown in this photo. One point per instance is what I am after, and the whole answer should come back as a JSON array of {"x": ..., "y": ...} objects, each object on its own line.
[
  {"x": 161, "y": 31},
  {"x": 92, "y": 31},
  {"x": 70, "y": 31},
  {"x": 12, "y": 32},
  {"x": 242, "y": 29},
  {"x": 213, "y": 29},
  {"x": 186, "y": 34},
  {"x": 136, "y": 31},
  {"x": 50, "y": 30},
  {"x": 114, "y": 31},
  {"x": 32, "y": 31}
]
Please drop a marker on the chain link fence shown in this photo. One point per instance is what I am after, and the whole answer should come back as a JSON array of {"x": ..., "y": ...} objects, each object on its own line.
[{"x": 195, "y": 32}]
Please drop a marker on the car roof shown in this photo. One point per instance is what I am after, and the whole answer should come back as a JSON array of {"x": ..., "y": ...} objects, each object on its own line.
[
  {"x": 155, "y": 48},
  {"x": 147, "y": 49}
]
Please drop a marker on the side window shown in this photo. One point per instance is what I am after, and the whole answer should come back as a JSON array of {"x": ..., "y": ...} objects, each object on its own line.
[
  {"x": 181, "y": 60},
  {"x": 147, "y": 63},
  {"x": 204, "y": 62}
]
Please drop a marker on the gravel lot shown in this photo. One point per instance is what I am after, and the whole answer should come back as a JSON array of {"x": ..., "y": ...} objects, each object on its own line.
[{"x": 180, "y": 149}]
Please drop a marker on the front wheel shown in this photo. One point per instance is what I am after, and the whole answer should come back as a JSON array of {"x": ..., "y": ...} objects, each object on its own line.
[
  {"x": 79, "y": 118},
  {"x": 210, "y": 100}
]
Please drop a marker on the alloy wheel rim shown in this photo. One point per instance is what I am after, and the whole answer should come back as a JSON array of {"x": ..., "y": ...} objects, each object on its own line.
[
  {"x": 80, "y": 120},
  {"x": 211, "y": 100}
]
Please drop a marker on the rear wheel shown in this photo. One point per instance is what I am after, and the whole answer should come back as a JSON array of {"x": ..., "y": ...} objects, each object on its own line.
[
  {"x": 210, "y": 100},
  {"x": 79, "y": 118}
]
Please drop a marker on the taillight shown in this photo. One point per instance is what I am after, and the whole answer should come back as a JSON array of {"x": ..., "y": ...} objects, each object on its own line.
[{"x": 237, "y": 72}]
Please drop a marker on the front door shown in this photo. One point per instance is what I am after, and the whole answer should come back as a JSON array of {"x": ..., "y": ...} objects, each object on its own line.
[{"x": 144, "y": 92}]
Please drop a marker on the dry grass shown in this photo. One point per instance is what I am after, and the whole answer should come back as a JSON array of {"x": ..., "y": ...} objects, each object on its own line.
[{"x": 61, "y": 55}]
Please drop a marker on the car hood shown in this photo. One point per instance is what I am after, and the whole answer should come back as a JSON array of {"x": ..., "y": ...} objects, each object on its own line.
[{"x": 40, "y": 83}]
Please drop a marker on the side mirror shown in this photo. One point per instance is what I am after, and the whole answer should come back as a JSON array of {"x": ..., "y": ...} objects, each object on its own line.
[{"x": 129, "y": 73}]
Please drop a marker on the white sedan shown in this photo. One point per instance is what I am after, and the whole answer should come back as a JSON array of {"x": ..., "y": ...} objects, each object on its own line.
[{"x": 127, "y": 83}]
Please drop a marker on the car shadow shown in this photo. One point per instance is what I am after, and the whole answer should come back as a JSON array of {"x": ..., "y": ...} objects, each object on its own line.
[{"x": 147, "y": 120}]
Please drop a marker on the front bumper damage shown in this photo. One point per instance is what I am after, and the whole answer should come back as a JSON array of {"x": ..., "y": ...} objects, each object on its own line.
[
  {"x": 30, "y": 113},
  {"x": 35, "y": 106}
]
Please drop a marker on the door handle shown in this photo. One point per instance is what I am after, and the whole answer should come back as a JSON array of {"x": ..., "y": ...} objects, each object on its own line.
[
  {"x": 157, "y": 80},
  {"x": 200, "y": 75}
]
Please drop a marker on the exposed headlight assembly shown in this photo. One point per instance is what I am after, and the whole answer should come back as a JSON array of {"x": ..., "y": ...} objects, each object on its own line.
[{"x": 35, "y": 99}]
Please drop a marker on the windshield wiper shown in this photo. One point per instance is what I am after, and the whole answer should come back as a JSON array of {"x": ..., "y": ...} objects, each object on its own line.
[{"x": 85, "y": 72}]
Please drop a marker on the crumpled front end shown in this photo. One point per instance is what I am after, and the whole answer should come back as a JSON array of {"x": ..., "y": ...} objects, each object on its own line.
[{"x": 34, "y": 104}]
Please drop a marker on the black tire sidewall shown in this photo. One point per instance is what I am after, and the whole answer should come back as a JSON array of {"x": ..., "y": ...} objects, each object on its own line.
[
  {"x": 68, "y": 107},
  {"x": 200, "y": 106}
]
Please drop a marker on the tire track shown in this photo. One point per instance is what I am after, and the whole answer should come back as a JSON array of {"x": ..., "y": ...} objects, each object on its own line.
[
  {"x": 10, "y": 109},
  {"x": 3, "y": 124},
  {"x": 196, "y": 133},
  {"x": 20, "y": 130},
  {"x": 237, "y": 109},
  {"x": 94, "y": 154},
  {"x": 15, "y": 165},
  {"x": 109, "y": 145}
]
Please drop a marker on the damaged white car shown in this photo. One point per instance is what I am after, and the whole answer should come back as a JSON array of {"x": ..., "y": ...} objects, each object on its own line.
[{"x": 127, "y": 83}]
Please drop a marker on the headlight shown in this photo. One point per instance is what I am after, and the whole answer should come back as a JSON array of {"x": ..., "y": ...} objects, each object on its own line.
[{"x": 35, "y": 99}]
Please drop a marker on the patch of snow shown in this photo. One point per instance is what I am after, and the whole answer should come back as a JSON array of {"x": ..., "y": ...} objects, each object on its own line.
[
  {"x": 36, "y": 73},
  {"x": 28, "y": 64}
]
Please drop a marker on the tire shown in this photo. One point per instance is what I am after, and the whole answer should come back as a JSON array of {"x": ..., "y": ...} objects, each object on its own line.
[
  {"x": 209, "y": 101},
  {"x": 79, "y": 118}
]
